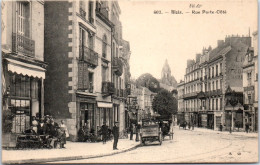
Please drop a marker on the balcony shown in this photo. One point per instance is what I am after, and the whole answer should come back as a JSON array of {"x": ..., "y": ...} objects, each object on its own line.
[
  {"x": 117, "y": 66},
  {"x": 24, "y": 45},
  {"x": 88, "y": 55},
  {"x": 101, "y": 10},
  {"x": 82, "y": 13},
  {"x": 249, "y": 88},
  {"x": 190, "y": 95},
  {"x": 108, "y": 88},
  {"x": 219, "y": 92}
]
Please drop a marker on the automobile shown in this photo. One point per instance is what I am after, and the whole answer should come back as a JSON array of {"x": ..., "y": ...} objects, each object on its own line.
[{"x": 150, "y": 131}]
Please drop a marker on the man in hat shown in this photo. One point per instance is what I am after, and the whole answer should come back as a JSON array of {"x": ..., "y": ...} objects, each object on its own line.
[{"x": 116, "y": 135}]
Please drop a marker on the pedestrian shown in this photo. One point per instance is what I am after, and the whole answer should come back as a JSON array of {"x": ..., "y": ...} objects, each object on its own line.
[
  {"x": 104, "y": 132},
  {"x": 192, "y": 125},
  {"x": 131, "y": 131},
  {"x": 189, "y": 125},
  {"x": 34, "y": 124},
  {"x": 116, "y": 135},
  {"x": 63, "y": 127},
  {"x": 221, "y": 127},
  {"x": 42, "y": 127},
  {"x": 247, "y": 127}
]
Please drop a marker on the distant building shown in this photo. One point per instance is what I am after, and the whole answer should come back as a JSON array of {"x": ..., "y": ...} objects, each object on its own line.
[
  {"x": 214, "y": 84},
  {"x": 181, "y": 107},
  {"x": 250, "y": 84}
]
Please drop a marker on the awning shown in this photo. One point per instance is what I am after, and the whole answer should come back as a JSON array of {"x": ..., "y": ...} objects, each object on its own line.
[
  {"x": 25, "y": 69},
  {"x": 104, "y": 105}
]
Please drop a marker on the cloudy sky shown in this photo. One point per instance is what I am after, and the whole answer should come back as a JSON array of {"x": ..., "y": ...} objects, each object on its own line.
[{"x": 178, "y": 37}]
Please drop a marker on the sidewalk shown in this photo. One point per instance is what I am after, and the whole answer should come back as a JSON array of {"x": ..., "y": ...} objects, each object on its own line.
[
  {"x": 73, "y": 151},
  {"x": 196, "y": 129}
]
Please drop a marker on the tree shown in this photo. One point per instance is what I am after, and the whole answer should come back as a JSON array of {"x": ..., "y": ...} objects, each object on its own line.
[
  {"x": 165, "y": 104},
  {"x": 148, "y": 81}
]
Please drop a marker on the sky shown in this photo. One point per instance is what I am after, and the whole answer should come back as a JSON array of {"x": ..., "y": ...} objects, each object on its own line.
[{"x": 177, "y": 37}]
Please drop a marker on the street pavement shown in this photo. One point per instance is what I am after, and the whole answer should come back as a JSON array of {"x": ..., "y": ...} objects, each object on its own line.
[
  {"x": 196, "y": 146},
  {"x": 73, "y": 151}
]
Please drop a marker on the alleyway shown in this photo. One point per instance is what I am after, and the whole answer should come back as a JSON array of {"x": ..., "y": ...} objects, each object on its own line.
[{"x": 190, "y": 146}]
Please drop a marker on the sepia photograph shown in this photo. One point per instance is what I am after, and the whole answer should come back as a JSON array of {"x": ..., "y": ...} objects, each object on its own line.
[{"x": 129, "y": 81}]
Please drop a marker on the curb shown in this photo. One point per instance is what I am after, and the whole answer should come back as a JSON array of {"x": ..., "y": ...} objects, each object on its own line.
[{"x": 30, "y": 161}]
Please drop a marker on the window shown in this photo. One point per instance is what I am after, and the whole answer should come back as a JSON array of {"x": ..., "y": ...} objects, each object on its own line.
[
  {"x": 249, "y": 98},
  {"x": 104, "y": 74},
  {"x": 104, "y": 46},
  {"x": 90, "y": 12},
  {"x": 23, "y": 14},
  {"x": 249, "y": 75},
  {"x": 216, "y": 104},
  {"x": 213, "y": 101},
  {"x": 220, "y": 84},
  {"x": 216, "y": 84},
  {"x": 220, "y": 103},
  {"x": 91, "y": 81},
  {"x": 82, "y": 10},
  {"x": 212, "y": 71},
  {"x": 220, "y": 68},
  {"x": 209, "y": 86},
  {"x": 90, "y": 41},
  {"x": 216, "y": 70},
  {"x": 82, "y": 37},
  {"x": 213, "y": 86},
  {"x": 209, "y": 72}
]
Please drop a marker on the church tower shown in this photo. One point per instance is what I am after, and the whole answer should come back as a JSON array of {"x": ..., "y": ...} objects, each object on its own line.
[{"x": 166, "y": 73}]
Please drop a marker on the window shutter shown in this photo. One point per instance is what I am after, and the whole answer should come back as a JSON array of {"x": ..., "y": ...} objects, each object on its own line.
[
  {"x": 80, "y": 74},
  {"x": 85, "y": 76}
]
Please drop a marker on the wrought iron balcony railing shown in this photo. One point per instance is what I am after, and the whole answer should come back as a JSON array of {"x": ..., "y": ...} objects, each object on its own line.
[
  {"x": 117, "y": 66},
  {"x": 108, "y": 88},
  {"x": 88, "y": 55},
  {"x": 82, "y": 13},
  {"x": 22, "y": 44}
]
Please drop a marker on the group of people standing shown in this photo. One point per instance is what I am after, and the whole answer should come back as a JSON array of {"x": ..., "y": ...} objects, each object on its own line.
[
  {"x": 86, "y": 134},
  {"x": 51, "y": 130}
]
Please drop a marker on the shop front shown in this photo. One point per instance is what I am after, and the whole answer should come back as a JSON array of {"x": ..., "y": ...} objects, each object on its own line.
[
  {"x": 203, "y": 120},
  {"x": 210, "y": 120},
  {"x": 104, "y": 114},
  {"x": 23, "y": 95}
]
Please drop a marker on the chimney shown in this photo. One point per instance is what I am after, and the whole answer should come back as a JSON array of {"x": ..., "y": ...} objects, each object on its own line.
[{"x": 220, "y": 43}]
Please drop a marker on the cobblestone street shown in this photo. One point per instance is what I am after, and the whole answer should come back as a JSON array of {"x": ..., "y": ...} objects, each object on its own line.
[{"x": 198, "y": 146}]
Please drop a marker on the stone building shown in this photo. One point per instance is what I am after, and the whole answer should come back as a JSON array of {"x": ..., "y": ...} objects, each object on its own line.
[
  {"x": 181, "y": 109},
  {"x": 250, "y": 84},
  {"x": 78, "y": 48},
  {"x": 214, "y": 86},
  {"x": 23, "y": 66}
]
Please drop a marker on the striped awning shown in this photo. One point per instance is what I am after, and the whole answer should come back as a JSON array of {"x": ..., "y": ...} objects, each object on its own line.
[{"x": 25, "y": 69}]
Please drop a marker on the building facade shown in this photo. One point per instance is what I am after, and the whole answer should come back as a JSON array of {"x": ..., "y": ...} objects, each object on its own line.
[
  {"x": 214, "y": 85},
  {"x": 250, "y": 84},
  {"x": 23, "y": 66},
  {"x": 78, "y": 48},
  {"x": 181, "y": 107}
]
